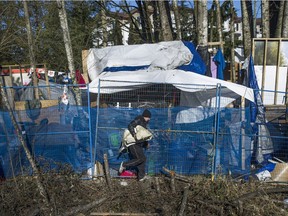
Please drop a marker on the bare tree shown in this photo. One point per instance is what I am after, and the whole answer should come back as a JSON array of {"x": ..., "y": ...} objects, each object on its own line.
[
  {"x": 104, "y": 23},
  {"x": 68, "y": 46},
  {"x": 232, "y": 31},
  {"x": 165, "y": 26},
  {"x": 135, "y": 26},
  {"x": 147, "y": 11},
  {"x": 265, "y": 19},
  {"x": 202, "y": 23},
  {"x": 10, "y": 30},
  {"x": 285, "y": 20},
  {"x": 177, "y": 19},
  {"x": 31, "y": 50},
  {"x": 156, "y": 22},
  {"x": 219, "y": 24},
  {"x": 211, "y": 16},
  {"x": 280, "y": 20},
  {"x": 142, "y": 19},
  {"x": 246, "y": 29}
]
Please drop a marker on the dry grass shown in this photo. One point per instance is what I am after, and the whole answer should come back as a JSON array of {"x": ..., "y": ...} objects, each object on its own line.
[{"x": 70, "y": 195}]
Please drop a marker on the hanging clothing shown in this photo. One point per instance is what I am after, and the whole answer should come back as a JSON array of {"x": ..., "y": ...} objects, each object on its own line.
[{"x": 220, "y": 62}]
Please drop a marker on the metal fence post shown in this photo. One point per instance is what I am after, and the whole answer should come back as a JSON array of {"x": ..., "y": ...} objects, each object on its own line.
[
  {"x": 216, "y": 131},
  {"x": 90, "y": 130},
  {"x": 96, "y": 128}
]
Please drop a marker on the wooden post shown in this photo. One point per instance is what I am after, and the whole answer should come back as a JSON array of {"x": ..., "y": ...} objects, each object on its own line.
[
  {"x": 84, "y": 65},
  {"x": 157, "y": 185},
  {"x": 21, "y": 75},
  {"x": 184, "y": 201},
  {"x": 47, "y": 82},
  {"x": 107, "y": 173},
  {"x": 172, "y": 183}
]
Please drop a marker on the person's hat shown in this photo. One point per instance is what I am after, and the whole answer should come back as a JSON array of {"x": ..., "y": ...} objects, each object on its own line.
[{"x": 146, "y": 113}]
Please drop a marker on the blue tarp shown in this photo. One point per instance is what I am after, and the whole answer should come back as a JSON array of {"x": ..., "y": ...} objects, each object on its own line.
[
  {"x": 186, "y": 148},
  {"x": 197, "y": 65}
]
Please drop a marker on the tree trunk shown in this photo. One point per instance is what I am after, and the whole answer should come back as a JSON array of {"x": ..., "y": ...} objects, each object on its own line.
[
  {"x": 147, "y": 11},
  {"x": 202, "y": 34},
  {"x": 232, "y": 32},
  {"x": 165, "y": 27},
  {"x": 156, "y": 22},
  {"x": 135, "y": 26},
  {"x": 246, "y": 30},
  {"x": 168, "y": 12},
  {"x": 142, "y": 20},
  {"x": 219, "y": 24},
  {"x": 280, "y": 20},
  {"x": 31, "y": 50},
  {"x": 265, "y": 19},
  {"x": 211, "y": 29},
  {"x": 202, "y": 23},
  {"x": 68, "y": 46},
  {"x": 104, "y": 23},
  {"x": 196, "y": 10},
  {"x": 285, "y": 21},
  {"x": 177, "y": 19}
]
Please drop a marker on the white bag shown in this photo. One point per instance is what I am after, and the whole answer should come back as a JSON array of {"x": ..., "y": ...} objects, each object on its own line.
[{"x": 142, "y": 134}]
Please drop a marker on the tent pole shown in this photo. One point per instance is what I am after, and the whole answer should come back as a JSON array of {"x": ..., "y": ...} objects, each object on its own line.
[
  {"x": 216, "y": 159},
  {"x": 96, "y": 132},
  {"x": 90, "y": 131},
  {"x": 242, "y": 143}
]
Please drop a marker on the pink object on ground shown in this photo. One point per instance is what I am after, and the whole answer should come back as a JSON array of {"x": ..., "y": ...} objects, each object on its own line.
[{"x": 128, "y": 173}]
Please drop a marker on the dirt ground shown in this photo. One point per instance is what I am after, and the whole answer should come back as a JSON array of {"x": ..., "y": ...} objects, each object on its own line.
[{"x": 70, "y": 194}]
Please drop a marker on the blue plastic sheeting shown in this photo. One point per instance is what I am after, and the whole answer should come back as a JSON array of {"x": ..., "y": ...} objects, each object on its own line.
[
  {"x": 51, "y": 143},
  {"x": 185, "y": 148},
  {"x": 190, "y": 148},
  {"x": 197, "y": 65}
]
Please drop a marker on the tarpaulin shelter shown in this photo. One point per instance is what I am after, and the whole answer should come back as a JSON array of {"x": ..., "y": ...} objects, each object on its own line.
[
  {"x": 196, "y": 135},
  {"x": 136, "y": 65},
  {"x": 129, "y": 68}
]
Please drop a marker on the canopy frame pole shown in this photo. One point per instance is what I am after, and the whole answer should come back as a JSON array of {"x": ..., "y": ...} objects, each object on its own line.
[
  {"x": 216, "y": 132},
  {"x": 96, "y": 128}
]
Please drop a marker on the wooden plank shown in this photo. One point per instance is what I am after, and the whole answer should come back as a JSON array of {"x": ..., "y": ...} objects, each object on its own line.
[
  {"x": 47, "y": 81},
  {"x": 20, "y": 105},
  {"x": 215, "y": 43},
  {"x": 85, "y": 66}
]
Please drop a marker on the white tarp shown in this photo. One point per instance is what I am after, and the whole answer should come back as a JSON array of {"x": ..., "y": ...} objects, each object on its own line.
[
  {"x": 163, "y": 55},
  {"x": 113, "y": 82},
  {"x": 110, "y": 68}
]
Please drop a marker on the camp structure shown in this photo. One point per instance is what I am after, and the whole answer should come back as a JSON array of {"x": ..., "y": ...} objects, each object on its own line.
[{"x": 196, "y": 128}]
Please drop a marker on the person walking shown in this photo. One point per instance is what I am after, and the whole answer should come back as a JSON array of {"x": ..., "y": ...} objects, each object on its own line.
[{"x": 136, "y": 151}]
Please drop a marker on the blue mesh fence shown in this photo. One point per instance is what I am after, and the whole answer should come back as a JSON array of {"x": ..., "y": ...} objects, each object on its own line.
[
  {"x": 56, "y": 134},
  {"x": 185, "y": 148},
  {"x": 187, "y": 139}
]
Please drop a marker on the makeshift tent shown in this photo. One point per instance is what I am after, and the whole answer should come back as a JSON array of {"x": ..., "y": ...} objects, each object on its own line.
[
  {"x": 121, "y": 69},
  {"x": 138, "y": 65},
  {"x": 187, "y": 135}
]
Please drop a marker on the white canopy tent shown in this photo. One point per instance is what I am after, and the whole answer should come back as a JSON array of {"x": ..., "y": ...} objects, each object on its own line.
[
  {"x": 109, "y": 70},
  {"x": 113, "y": 82}
]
